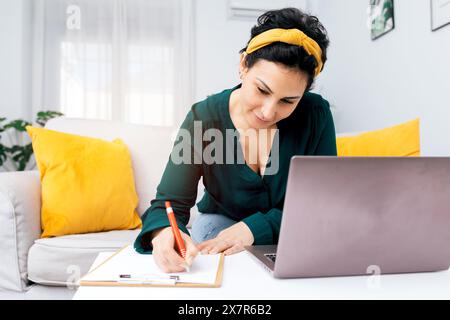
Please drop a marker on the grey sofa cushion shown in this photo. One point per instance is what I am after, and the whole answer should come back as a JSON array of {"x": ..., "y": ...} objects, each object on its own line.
[
  {"x": 61, "y": 261},
  {"x": 20, "y": 205}
]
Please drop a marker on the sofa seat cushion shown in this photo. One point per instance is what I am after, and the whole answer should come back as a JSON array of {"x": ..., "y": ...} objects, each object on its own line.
[{"x": 61, "y": 261}]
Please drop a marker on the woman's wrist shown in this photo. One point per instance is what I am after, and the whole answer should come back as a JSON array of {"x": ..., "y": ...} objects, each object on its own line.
[{"x": 156, "y": 232}]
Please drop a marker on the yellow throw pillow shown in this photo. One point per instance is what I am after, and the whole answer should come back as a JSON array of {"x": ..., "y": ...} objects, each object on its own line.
[
  {"x": 400, "y": 140},
  {"x": 87, "y": 184}
]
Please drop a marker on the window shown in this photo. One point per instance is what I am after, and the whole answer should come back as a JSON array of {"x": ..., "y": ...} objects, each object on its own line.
[{"x": 124, "y": 60}]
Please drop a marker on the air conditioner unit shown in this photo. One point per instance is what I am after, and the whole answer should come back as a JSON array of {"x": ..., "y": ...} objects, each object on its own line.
[{"x": 251, "y": 9}]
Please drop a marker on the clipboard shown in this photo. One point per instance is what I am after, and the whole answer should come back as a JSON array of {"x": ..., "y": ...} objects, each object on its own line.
[{"x": 217, "y": 283}]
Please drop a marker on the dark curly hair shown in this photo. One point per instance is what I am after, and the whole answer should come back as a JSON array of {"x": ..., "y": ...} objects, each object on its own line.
[{"x": 289, "y": 55}]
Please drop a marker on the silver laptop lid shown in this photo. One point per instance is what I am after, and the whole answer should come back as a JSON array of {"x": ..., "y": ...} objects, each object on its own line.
[{"x": 348, "y": 215}]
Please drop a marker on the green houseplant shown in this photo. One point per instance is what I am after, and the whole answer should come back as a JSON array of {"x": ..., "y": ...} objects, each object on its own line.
[{"x": 16, "y": 152}]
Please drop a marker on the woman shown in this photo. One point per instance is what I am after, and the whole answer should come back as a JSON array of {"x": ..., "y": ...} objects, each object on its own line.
[{"x": 243, "y": 201}]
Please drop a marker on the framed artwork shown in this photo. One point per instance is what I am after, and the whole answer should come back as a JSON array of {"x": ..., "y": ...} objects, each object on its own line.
[
  {"x": 440, "y": 14},
  {"x": 381, "y": 17}
]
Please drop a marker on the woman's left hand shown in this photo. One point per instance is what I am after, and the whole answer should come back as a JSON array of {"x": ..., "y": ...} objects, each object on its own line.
[{"x": 229, "y": 241}]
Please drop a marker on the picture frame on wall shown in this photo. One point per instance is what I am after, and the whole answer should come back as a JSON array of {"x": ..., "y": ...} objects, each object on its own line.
[
  {"x": 440, "y": 14},
  {"x": 381, "y": 17}
]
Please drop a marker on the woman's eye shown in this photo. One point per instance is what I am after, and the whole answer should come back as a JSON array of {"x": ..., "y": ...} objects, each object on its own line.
[
  {"x": 266, "y": 93},
  {"x": 262, "y": 91}
]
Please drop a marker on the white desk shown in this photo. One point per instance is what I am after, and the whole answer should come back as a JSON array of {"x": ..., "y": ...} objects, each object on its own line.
[{"x": 244, "y": 278}]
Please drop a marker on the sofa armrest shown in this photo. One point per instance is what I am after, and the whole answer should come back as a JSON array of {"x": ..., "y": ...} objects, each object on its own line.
[{"x": 20, "y": 225}]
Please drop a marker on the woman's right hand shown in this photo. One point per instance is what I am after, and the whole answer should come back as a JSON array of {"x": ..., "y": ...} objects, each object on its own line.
[{"x": 165, "y": 254}]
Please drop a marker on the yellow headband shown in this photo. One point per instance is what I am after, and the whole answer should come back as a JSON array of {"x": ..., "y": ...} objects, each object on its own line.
[{"x": 290, "y": 36}]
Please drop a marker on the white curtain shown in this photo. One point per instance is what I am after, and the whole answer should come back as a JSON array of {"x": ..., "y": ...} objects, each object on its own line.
[{"x": 123, "y": 60}]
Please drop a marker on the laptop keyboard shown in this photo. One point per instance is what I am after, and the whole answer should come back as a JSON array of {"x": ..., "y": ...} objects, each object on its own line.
[{"x": 271, "y": 256}]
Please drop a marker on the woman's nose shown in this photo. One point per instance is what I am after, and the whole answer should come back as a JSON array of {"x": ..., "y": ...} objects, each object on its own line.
[{"x": 268, "y": 112}]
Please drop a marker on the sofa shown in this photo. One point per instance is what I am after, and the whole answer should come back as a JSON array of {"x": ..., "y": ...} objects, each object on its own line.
[{"x": 48, "y": 268}]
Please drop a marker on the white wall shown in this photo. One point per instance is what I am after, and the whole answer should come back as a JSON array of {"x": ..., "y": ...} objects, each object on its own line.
[
  {"x": 15, "y": 44},
  {"x": 400, "y": 76},
  {"x": 218, "y": 42}
]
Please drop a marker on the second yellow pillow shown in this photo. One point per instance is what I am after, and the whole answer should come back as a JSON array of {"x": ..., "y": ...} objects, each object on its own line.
[
  {"x": 87, "y": 184},
  {"x": 400, "y": 140}
]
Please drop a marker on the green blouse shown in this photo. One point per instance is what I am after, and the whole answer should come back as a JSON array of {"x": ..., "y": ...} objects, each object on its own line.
[{"x": 235, "y": 190}]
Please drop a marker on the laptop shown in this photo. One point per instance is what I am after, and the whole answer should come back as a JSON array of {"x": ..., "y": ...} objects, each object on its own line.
[{"x": 347, "y": 216}]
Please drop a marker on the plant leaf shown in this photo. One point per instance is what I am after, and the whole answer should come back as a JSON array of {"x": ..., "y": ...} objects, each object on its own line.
[
  {"x": 21, "y": 155},
  {"x": 19, "y": 125},
  {"x": 3, "y": 154},
  {"x": 1, "y": 126},
  {"x": 44, "y": 116}
]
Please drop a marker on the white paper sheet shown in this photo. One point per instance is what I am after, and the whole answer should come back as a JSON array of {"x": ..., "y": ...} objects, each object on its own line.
[{"x": 142, "y": 266}]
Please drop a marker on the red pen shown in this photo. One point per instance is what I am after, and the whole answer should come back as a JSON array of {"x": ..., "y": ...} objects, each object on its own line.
[{"x": 176, "y": 231}]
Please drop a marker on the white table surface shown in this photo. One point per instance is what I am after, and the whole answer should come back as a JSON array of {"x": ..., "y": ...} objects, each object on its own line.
[{"x": 245, "y": 278}]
